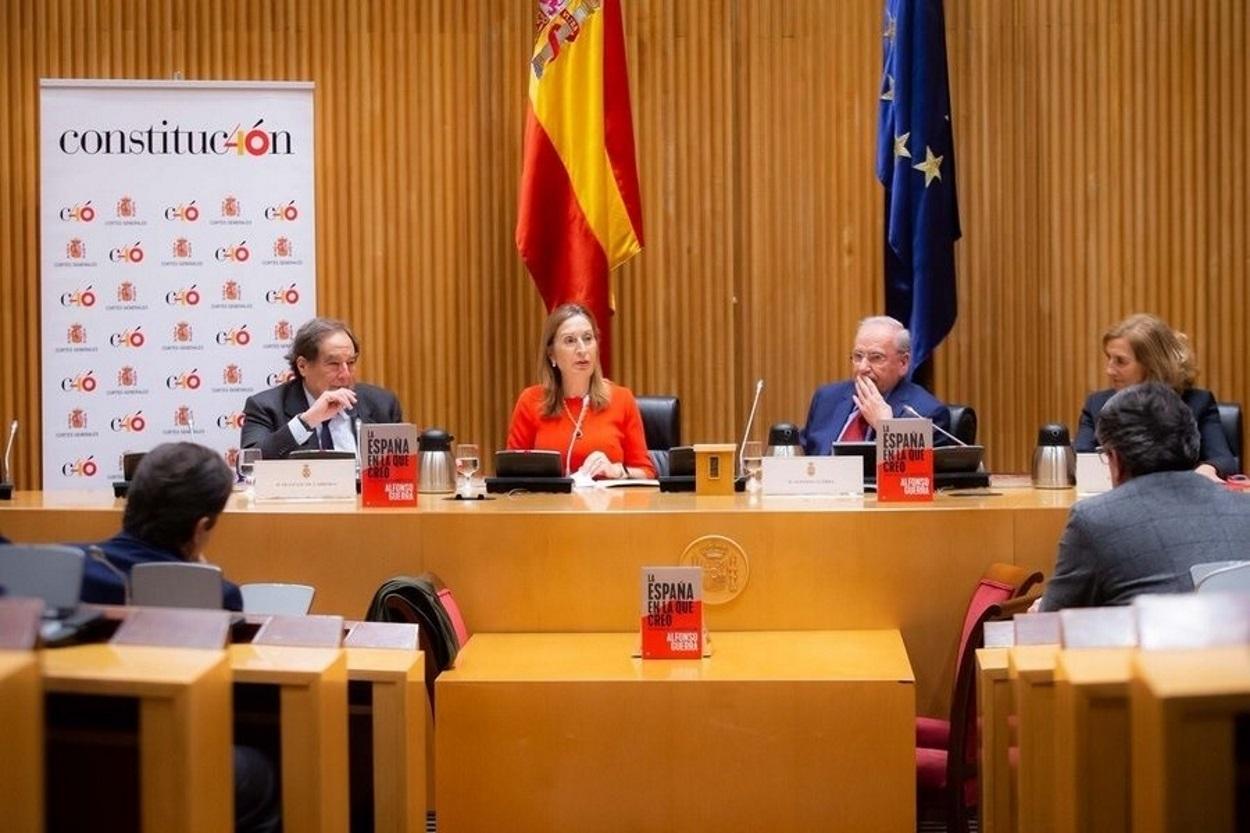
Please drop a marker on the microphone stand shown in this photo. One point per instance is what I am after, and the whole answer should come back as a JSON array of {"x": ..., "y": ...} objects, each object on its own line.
[
  {"x": 6, "y": 480},
  {"x": 746, "y": 434},
  {"x": 909, "y": 409}
]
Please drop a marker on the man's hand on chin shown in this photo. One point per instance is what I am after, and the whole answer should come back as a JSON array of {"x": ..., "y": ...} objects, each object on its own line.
[
  {"x": 870, "y": 402},
  {"x": 329, "y": 404}
]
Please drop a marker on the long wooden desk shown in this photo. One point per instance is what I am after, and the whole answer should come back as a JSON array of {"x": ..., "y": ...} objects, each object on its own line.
[
  {"x": 184, "y": 698},
  {"x": 775, "y": 731},
  {"x": 830, "y": 564}
]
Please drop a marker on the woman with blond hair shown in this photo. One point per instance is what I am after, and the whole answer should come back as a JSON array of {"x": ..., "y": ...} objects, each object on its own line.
[
  {"x": 594, "y": 423},
  {"x": 1143, "y": 348}
]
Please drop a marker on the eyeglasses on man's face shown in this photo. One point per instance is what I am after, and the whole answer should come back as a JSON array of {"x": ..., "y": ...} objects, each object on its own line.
[{"x": 875, "y": 358}]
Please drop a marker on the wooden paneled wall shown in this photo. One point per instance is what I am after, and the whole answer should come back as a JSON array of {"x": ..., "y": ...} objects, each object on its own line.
[{"x": 1102, "y": 171}]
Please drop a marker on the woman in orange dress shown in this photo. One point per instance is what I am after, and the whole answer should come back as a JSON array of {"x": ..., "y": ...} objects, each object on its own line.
[{"x": 592, "y": 422}]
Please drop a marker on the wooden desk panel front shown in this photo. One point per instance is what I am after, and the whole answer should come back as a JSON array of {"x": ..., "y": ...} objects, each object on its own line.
[
  {"x": 185, "y": 734},
  {"x": 312, "y": 686},
  {"x": 21, "y": 742},
  {"x": 994, "y": 707},
  {"x": 776, "y": 731},
  {"x": 815, "y": 563},
  {"x": 1032, "y": 672},
  {"x": 403, "y": 735},
  {"x": 1092, "y": 740},
  {"x": 1185, "y": 708}
]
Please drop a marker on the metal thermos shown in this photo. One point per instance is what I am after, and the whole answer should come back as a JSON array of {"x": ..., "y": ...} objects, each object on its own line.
[
  {"x": 1054, "y": 461},
  {"x": 783, "y": 441},
  {"x": 435, "y": 465}
]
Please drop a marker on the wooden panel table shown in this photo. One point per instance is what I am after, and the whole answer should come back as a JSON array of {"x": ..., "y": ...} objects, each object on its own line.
[
  {"x": 1185, "y": 709},
  {"x": 401, "y": 726},
  {"x": 994, "y": 707},
  {"x": 1032, "y": 672},
  {"x": 815, "y": 563},
  {"x": 185, "y": 735},
  {"x": 1092, "y": 740},
  {"x": 21, "y": 742},
  {"x": 312, "y": 686},
  {"x": 775, "y": 731}
]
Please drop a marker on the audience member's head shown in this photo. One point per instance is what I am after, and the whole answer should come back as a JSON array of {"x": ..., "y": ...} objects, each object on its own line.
[
  {"x": 1143, "y": 348},
  {"x": 1147, "y": 428},
  {"x": 177, "y": 493},
  {"x": 324, "y": 355},
  {"x": 882, "y": 352}
]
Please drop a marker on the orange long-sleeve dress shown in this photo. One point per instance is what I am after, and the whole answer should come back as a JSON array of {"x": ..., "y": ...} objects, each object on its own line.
[{"x": 616, "y": 429}]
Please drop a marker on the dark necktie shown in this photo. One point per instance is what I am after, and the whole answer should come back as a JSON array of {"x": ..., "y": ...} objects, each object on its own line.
[{"x": 327, "y": 441}]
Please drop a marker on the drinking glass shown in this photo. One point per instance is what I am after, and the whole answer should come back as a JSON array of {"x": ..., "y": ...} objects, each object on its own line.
[
  {"x": 247, "y": 464},
  {"x": 468, "y": 458},
  {"x": 753, "y": 464}
]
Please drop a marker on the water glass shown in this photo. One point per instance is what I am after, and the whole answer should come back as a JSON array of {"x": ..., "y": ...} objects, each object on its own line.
[
  {"x": 753, "y": 464},
  {"x": 468, "y": 459},
  {"x": 247, "y": 464}
]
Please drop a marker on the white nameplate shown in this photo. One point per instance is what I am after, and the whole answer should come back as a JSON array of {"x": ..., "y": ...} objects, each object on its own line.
[
  {"x": 813, "y": 476},
  {"x": 305, "y": 479},
  {"x": 1093, "y": 476}
]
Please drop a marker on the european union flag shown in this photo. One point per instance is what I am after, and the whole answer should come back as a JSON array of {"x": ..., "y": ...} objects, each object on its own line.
[{"x": 916, "y": 164}]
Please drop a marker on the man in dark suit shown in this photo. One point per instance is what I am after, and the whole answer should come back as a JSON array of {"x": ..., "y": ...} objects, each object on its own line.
[
  {"x": 321, "y": 405},
  {"x": 1160, "y": 518},
  {"x": 851, "y": 410}
]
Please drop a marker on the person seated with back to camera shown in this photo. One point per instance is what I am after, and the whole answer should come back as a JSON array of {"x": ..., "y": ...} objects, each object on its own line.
[
  {"x": 852, "y": 410},
  {"x": 1160, "y": 518},
  {"x": 574, "y": 403},
  {"x": 319, "y": 407},
  {"x": 175, "y": 500},
  {"x": 1143, "y": 348}
]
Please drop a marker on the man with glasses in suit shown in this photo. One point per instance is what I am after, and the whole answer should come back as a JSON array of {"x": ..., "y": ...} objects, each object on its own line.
[{"x": 852, "y": 410}]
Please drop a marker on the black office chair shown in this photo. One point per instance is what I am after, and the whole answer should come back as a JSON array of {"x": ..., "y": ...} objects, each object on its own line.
[
  {"x": 1230, "y": 421},
  {"x": 963, "y": 423},
  {"x": 661, "y": 422}
]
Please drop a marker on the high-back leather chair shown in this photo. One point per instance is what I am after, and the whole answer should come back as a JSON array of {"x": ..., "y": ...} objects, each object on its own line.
[
  {"x": 661, "y": 422},
  {"x": 1230, "y": 421},
  {"x": 963, "y": 423}
]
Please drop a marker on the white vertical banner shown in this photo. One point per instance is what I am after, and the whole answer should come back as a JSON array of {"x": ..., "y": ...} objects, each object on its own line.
[{"x": 178, "y": 258}]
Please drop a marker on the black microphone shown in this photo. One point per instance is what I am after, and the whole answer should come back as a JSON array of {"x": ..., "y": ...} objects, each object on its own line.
[
  {"x": 6, "y": 478},
  {"x": 577, "y": 432},
  {"x": 755, "y": 403},
  {"x": 909, "y": 409}
]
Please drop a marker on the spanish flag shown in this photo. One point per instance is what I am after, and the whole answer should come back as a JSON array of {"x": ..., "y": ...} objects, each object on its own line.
[{"x": 580, "y": 213}]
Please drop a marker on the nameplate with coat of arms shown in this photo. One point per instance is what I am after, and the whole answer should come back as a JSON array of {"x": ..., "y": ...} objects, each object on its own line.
[
  {"x": 813, "y": 476},
  {"x": 726, "y": 569},
  {"x": 305, "y": 480}
]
